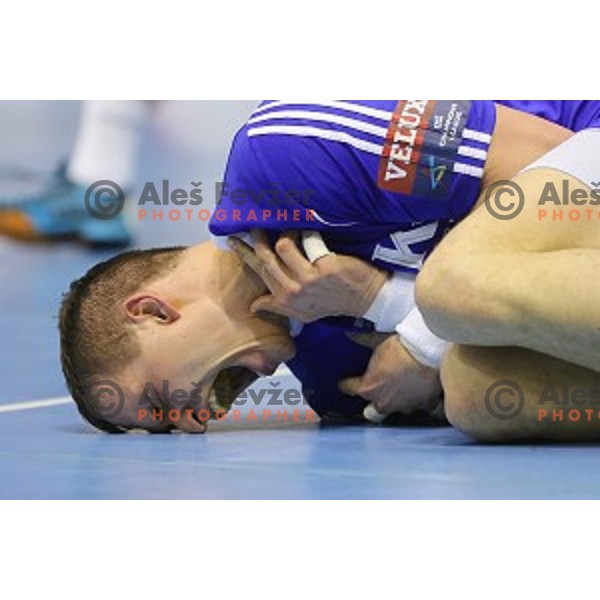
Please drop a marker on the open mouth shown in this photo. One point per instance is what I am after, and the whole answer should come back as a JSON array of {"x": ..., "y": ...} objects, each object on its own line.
[{"x": 228, "y": 385}]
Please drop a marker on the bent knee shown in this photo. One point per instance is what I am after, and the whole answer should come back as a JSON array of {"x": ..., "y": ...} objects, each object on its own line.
[
  {"x": 468, "y": 373},
  {"x": 460, "y": 392},
  {"x": 498, "y": 394}
]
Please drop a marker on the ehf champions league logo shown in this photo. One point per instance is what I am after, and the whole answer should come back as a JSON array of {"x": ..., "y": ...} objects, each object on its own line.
[{"x": 421, "y": 147}]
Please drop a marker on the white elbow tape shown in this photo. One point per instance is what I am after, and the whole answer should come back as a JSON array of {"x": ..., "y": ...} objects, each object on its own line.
[
  {"x": 395, "y": 300},
  {"x": 416, "y": 337},
  {"x": 578, "y": 156}
]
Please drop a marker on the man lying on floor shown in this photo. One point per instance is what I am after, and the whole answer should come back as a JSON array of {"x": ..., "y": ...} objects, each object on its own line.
[{"x": 383, "y": 182}]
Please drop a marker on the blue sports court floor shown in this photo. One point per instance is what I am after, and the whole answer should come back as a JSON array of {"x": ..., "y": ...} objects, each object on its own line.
[{"x": 46, "y": 451}]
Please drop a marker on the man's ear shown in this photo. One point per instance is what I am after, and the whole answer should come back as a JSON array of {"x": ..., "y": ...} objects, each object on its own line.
[{"x": 142, "y": 307}]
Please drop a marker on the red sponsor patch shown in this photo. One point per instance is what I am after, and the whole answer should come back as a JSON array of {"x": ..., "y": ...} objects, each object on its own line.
[{"x": 403, "y": 144}]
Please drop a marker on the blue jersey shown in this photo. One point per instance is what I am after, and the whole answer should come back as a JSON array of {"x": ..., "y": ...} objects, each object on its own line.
[{"x": 381, "y": 180}]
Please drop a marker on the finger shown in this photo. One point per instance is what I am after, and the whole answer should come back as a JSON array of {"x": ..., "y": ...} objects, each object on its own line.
[
  {"x": 268, "y": 304},
  {"x": 350, "y": 386},
  {"x": 246, "y": 253},
  {"x": 371, "y": 414},
  {"x": 262, "y": 245},
  {"x": 294, "y": 260},
  {"x": 370, "y": 339},
  {"x": 270, "y": 261},
  {"x": 293, "y": 235},
  {"x": 262, "y": 304},
  {"x": 188, "y": 424}
]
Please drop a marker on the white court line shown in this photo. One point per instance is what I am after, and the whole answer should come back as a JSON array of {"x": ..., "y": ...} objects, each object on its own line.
[
  {"x": 282, "y": 371},
  {"x": 18, "y": 406}
]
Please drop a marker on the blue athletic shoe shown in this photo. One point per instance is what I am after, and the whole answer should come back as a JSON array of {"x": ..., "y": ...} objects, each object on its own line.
[{"x": 61, "y": 213}]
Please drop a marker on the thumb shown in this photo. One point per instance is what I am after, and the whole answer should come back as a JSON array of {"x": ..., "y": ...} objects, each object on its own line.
[
  {"x": 263, "y": 304},
  {"x": 372, "y": 414},
  {"x": 370, "y": 339},
  {"x": 350, "y": 386}
]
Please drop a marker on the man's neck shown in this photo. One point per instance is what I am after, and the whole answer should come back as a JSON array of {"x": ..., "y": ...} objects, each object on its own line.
[{"x": 244, "y": 286}]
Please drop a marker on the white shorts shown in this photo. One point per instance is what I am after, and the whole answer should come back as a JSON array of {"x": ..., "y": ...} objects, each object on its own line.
[{"x": 579, "y": 157}]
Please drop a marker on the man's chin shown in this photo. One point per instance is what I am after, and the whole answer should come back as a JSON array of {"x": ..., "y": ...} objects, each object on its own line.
[
  {"x": 278, "y": 320},
  {"x": 280, "y": 348}
]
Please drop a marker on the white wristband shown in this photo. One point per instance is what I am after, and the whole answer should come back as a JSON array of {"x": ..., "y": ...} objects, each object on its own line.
[
  {"x": 416, "y": 337},
  {"x": 395, "y": 300}
]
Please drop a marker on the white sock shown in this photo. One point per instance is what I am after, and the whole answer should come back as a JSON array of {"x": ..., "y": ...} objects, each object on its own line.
[{"x": 107, "y": 143}]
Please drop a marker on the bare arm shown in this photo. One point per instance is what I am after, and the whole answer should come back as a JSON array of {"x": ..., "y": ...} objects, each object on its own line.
[{"x": 519, "y": 139}]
